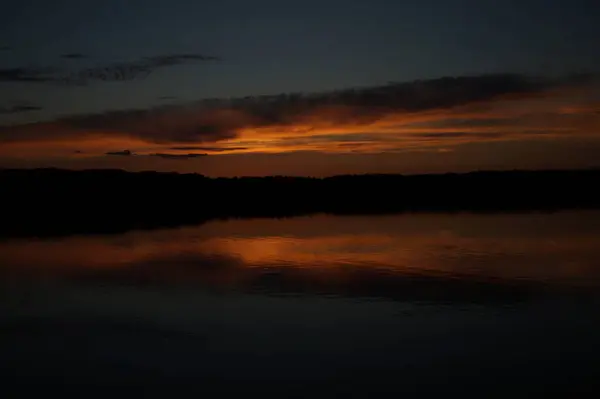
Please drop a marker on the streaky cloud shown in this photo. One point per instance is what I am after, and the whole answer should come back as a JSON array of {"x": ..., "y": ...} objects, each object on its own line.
[
  {"x": 224, "y": 119},
  {"x": 26, "y": 74},
  {"x": 211, "y": 149},
  {"x": 15, "y": 109},
  {"x": 73, "y": 56},
  {"x": 124, "y": 153},
  {"x": 177, "y": 156},
  {"x": 177, "y": 59},
  {"x": 380, "y": 118},
  {"x": 114, "y": 72},
  {"x": 109, "y": 73}
]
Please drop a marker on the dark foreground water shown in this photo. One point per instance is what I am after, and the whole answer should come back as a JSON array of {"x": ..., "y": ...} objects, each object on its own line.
[{"x": 322, "y": 306}]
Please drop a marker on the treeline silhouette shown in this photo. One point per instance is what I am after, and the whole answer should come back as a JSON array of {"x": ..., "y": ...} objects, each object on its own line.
[{"x": 46, "y": 202}]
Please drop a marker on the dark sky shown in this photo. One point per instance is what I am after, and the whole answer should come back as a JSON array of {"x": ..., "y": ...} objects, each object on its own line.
[{"x": 65, "y": 58}]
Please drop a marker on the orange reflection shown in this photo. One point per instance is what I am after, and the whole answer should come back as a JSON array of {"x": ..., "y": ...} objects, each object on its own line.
[{"x": 557, "y": 247}]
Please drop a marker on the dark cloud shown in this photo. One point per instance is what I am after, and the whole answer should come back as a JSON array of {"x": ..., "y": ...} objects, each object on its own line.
[
  {"x": 73, "y": 56},
  {"x": 165, "y": 125},
  {"x": 167, "y": 97},
  {"x": 211, "y": 149},
  {"x": 15, "y": 109},
  {"x": 214, "y": 120},
  {"x": 113, "y": 72},
  {"x": 125, "y": 153},
  {"x": 26, "y": 74},
  {"x": 466, "y": 123},
  {"x": 177, "y": 156},
  {"x": 137, "y": 69},
  {"x": 121, "y": 71},
  {"x": 457, "y": 135},
  {"x": 439, "y": 93},
  {"x": 436, "y": 135},
  {"x": 5, "y": 48},
  {"x": 176, "y": 59},
  {"x": 349, "y": 137}
]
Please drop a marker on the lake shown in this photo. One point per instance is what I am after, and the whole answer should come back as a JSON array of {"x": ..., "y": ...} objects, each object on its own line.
[{"x": 487, "y": 305}]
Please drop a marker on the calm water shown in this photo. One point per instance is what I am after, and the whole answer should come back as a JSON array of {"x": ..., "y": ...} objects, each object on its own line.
[{"x": 423, "y": 304}]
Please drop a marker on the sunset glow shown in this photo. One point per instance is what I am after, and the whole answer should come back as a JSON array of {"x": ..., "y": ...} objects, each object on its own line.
[{"x": 568, "y": 113}]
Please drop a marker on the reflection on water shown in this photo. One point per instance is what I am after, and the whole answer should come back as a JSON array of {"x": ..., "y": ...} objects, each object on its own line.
[
  {"x": 552, "y": 248},
  {"x": 366, "y": 296}
]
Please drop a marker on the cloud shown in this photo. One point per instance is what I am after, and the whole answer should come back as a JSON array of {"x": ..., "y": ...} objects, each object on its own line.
[
  {"x": 177, "y": 59},
  {"x": 26, "y": 74},
  {"x": 125, "y": 153},
  {"x": 5, "y": 48},
  {"x": 73, "y": 56},
  {"x": 132, "y": 70},
  {"x": 120, "y": 71},
  {"x": 393, "y": 117},
  {"x": 19, "y": 109},
  {"x": 128, "y": 153},
  {"x": 114, "y": 72},
  {"x": 465, "y": 123},
  {"x": 177, "y": 156},
  {"x": 210, "y": 149},
  {"x": 448, "y": 134},
  {"x": 164, "y": 125}
]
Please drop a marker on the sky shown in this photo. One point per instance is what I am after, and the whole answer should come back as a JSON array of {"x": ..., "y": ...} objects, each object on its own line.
[{"x": 300, "y": 88}]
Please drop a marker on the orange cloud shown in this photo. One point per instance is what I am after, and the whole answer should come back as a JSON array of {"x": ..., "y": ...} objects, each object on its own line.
[
  {"x": 411, "y": 116},
  {"x": 503, "y": 119}
]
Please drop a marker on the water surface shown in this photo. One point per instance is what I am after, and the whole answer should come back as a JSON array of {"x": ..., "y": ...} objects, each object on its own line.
[{"x": 483, "y": 304}]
